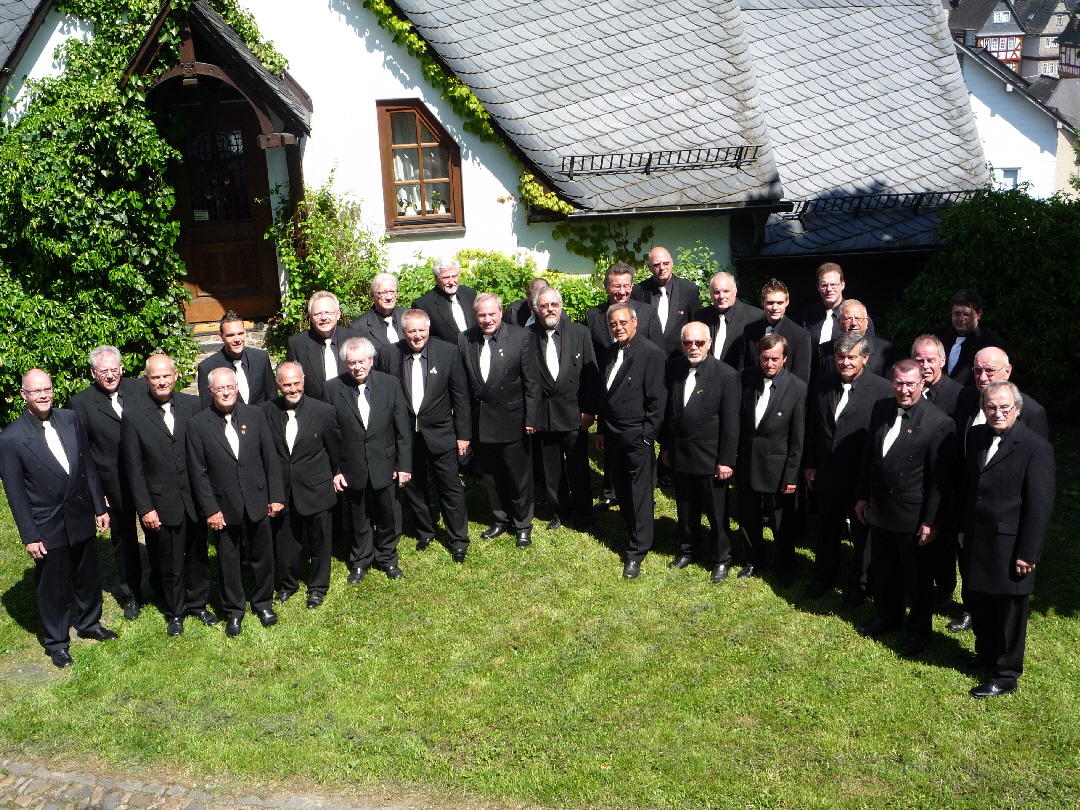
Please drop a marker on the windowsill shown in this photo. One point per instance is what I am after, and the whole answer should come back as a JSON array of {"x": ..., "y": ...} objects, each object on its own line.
[{"x": 452, "y": 229}]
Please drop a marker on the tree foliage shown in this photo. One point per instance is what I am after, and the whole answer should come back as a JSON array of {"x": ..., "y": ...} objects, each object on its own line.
[{"x": 1023, "y": 256}]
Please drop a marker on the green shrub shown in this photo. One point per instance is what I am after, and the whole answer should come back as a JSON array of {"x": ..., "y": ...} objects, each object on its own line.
[
  {"x": 579, "y": 293},
  {"x": 698, "y": 264}
]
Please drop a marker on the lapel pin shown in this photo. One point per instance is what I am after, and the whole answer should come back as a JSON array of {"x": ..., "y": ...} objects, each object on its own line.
[
  {"x": 779, "y": 413},
  {"x": 243, "y": 429},
  {"x": 909, "y": 430},
  {"x": 433, "y": 371}
]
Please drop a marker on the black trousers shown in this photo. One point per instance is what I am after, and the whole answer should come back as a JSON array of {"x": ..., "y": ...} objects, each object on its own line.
[
  {"x": 124, "y": 535},
  {"x": 565, "y": 457},
  {"x": 757, "y": 508},
  {"x": 185, "y": 566},
  {"x": 58, "y": 574},
  {"x": 946, "y": 551},
  {"x": 836, "y": 515},
  {"x": 696, "y": 495},
  {"x": 374, "y": 546},
  {"x": 260, "y": 553},
  {"x": 507, "y": 471},
  {"x": 289, "y": 527},
  {"x": 633, "y": 469},
  {"x": 1000, "y": 627},
  {"x": 903, "y": 569},
  {"x": 444, "y": 471}
]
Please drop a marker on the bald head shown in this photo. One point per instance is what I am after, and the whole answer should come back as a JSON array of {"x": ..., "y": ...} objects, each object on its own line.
[{"x": 991, "y": 365}]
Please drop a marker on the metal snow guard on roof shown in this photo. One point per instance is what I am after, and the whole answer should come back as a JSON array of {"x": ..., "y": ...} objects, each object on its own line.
[
  {"x": 866, "y": 203},
  {"x": 666, "y": 160}
]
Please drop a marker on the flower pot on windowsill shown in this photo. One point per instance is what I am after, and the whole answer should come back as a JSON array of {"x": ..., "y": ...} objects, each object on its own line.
[
  {"x": 441, "y": 209},
  {"x": 410, "y": 211}
]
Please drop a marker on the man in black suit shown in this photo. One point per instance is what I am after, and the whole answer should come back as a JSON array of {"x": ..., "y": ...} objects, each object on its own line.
[
  {"x": 771, "y": 430},
  {"x": 904, "y": 495},
  {"x": 774, "y": 302},
  {"x": 437, "y": 397},
  {"x": 883, "y": 353},
  {"x": 1006, "y": 508},
  {"x": 521, "y": 312},
  {"x": 236, "y": 479},
  {"x": 674, "y": 299},
  {"x": 449, "y": 304},
  {"x": 568, "y": 387},
  {"x": 964, "y": 336},
  {"x": 504, "y": 390},
  {"x": 381, "y": 324},
  {"x": 726, "y": 319},
  {"x": 308, "y": 443},
  {"x": 938, "y": 387},
  {"x": 700, "y": 442},
  {"x": 100, "y": 407},
  {"x": 821, "y": 320},
  {"x": 631, "y": 413},
  {"x": 56, "y": 500},
  {"x": 153, "y": 439},
  {"x": 376, "y": 454},
  {"x": 837, "y": 422},
  {"x": 318, "y": 350},
  {"x": 254, "y": 375}
]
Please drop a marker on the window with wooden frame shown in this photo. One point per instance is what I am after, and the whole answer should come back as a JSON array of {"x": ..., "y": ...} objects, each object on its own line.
[{"x": 421, "y": 167}]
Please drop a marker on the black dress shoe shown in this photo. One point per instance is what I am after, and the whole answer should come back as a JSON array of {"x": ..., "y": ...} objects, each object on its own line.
[
  {"x": 267, "y": 617},
  {"x": 969, "y": 663},
  {"x": 458, "y": 554},
  {"x": 99, "y": 633},
  {"x": 991, "y": 689},
  {"x": 205, "y": 616},
  {"x": 393, "y": 572},
  {"x": 281, "y": 597},
  {"x": 314, "y": 600},
  {"x": 854, "y": 597},
  {"x": 356, "y": 576},
  {"x": 913, "y": 645},
  {"x": 132, "y": 609},
  {"x": 61, "y": 658},
  {"x": 524, "y": 538},
  {"x": 605, "y": 503},
  {"x": 554, "y": 523},
  {"x": 232, "y": 628},
  {"x": 720, "y": 573},
  {"x": 494, "y": 530},
  {"x": 423, "y": 542},
  {"x": 878, "y": 624},
  {"x": 745, "y": 572},
  {"x": 680, "y": 562},
  {"x": 175, "y": 626},
  {"x": 632, "y": 569},
  {"x": 943, "y": 604},
  {"x": 817, "y": 589},
  {"x": 591, "y": 527},
  {"x": 961, "y": 624}
]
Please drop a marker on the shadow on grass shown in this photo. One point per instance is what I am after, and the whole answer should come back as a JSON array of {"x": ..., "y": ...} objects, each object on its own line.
[{"x": 20, "y": 601}]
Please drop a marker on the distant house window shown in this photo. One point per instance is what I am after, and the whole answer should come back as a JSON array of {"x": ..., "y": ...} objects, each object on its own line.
[
  {"x": 1010, "y": 178},
  {"x": 1049, "y": 42},
  {"x": 421, "y": 167},
  {"x": 1001, "y": 16},
  {"x": 1050, "y": 68}
]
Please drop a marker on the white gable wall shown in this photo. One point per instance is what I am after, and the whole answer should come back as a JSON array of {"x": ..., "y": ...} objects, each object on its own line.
[{"x": 38, "y": 61}]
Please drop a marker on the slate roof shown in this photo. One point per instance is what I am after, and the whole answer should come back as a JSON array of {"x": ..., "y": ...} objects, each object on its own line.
[
  {"x": 17, "y": 22},
  {"x": 1071, "y": 34},
  {"x": 968, "y": 14},
  {"x": 1060, "y": 95},
  {"x": 1034, "y": 15},
  {"x": 1020, "y": 85}
]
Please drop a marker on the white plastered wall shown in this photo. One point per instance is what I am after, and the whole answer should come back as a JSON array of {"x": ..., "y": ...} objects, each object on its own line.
[{"x": 39, "y": 62}]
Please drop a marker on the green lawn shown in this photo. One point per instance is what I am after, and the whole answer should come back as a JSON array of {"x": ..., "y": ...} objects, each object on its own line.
[{"x": 541, "y": 678}]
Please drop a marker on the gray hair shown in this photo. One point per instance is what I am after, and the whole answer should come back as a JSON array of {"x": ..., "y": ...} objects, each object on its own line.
[
  {"x": 100, "y": 350},
  {"x": 415, "y": 315},
  {"x": 353, "y": 344},
  {"x": 482, "y": 297},
  {"x": 997, "y": 385},
  {"x": 215, "y": 374},
  {"x": 290, "y": 365},
  {"x": 934, "y": 339},
  {"x": 382, "y": 278},
  {"x": 846, "y": 342},
  {"x": 146, "y": 366},
  {"x": 319, "y": 295},
  {"x": 721, "y": 274},
  {"x": 445, "y": 263},
  {"x": 624, "y": 305},
  {"x": 535, "y": 302}
]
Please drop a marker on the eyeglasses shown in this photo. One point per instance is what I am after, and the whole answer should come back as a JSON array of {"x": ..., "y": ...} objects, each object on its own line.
[
  {"x": 108, "y": 372},
  {"x": 699, "y": 343},
  {"x": 327, "y": 313},
  {"x": 221, "y": 389},
  {"x": 826, "y": 286},
  {"x": 613, "y": 324},
  {"x": 989, "y": 372},
  {"x": 852, "y": 319},
  {"x": 1004, "y": 410},
  {"x": 37, "y": 392},
  {"x": 386, "y": 293}
]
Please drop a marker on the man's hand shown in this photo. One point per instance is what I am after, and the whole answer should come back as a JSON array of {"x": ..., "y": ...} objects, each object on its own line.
[
  {"x": 1023, "y": 567},
  {"x": 530, "y": 430},
  {"x": 274, "y": 509},
  {"x": 102, "y": 522},
  {"x": 402, "y": 477},
  {"x": 36, "y": 550},
  {"x": 723, "y": 472},
  {"x": 665, "y": 459},
  {"x": 600, "y": 442},
  {"x": 216, "y": 521},
  {"x": 151, "y": 520},
  {"x": 860, "y": 511},
  {"x": 462, "y": 446},
  {"x": 926, "y": 533},
  {"x": 587, "y": 420},
  {"x": 340, "y": 483},
  {"x": 960, "y": 539},
  {"x": 810, "y": 476},
  {"x": 788, "y": 489}
]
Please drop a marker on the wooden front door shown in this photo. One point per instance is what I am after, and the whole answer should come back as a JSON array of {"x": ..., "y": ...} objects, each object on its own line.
[{"x": 222, "y": 204}]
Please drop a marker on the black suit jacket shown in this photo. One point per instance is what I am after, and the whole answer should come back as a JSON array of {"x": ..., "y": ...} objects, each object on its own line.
[
  {"x": 945, "y": 394},
  {"x": 771, "y": 452},
  {"x": 634, "y": 404},
  {"x": 50, "y": 506},
  {"x": 307, "y": 473},
  {"x": 256, "y": 364},
  {"x": 518, "y": 313},
  {"x": 800, "y": 353},
  {"x": 223, "y": 483},
  {"x": 648, "y": 326},
  {"x": 307, "y": 350},
  {"x": 685, "y": 300},
  {"x": 509, "y": 401},
  {"x": 883, "y": 356},
  {"x": 738, "y": 316},
  {"x": 437, "y": 306},
  {"x": 967, "y": 408},
  {"x": 913, "y": 484},
  {"x": 373, "y": 327},
  {"x": 156, "y": 460},
  {"x": 445, "y": 414},
  {"x": 1005, "y": 509},
  {"x": 834, "y": 447},
  {"x": 102, "y": 427},
  {"x": 813, "y": 318},
  {"x": 370, "y": 455},
  {"x": 705, "y": 432},
  {"x": 575, "y": 391},
  {"x": 978, "y": 340}
]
